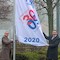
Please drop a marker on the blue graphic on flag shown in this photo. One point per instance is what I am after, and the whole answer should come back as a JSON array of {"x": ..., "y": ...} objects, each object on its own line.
[{"x": 30, "y": 2}]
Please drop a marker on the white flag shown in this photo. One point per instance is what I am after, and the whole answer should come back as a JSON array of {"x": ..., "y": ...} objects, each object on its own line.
[{"x": 28, "y": 29}]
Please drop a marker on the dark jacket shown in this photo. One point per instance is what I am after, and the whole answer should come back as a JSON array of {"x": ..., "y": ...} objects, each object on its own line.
[{"x": 52, "y": 51}]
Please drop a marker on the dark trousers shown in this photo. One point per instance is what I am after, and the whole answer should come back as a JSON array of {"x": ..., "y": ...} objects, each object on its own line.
[
  {"x": 52, "y": 54},
  {"x": 52, "y": 59}
]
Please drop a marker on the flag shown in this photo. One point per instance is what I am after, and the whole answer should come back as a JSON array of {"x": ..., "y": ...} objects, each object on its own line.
[{"x": 28, "y": 28}]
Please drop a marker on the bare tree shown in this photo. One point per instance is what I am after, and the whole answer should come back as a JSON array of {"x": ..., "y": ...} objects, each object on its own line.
[
  {"x": 49, "y": 5},
  {"x": 5, "y": 9}
]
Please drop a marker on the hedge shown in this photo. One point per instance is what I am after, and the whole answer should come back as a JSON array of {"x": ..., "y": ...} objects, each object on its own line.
[{"x": 35, "y": 55}]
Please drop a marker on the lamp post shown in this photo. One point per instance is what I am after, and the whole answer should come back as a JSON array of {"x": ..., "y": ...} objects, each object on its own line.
[{"x": 58, "y": 18}]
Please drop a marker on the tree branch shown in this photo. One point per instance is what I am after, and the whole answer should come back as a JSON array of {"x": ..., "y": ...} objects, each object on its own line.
[
  {"x": 44, "y": 1},
  {"x": 52, "y": 0},
  {"x": 55, "y": 4},
  {"x": 44, "y": 13},
  {"x": 40, "y": 9},
  {"x": 42, "y": 4}
]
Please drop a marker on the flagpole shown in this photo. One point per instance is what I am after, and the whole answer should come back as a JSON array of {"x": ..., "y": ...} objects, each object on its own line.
[{"x": 14, "y": 49}]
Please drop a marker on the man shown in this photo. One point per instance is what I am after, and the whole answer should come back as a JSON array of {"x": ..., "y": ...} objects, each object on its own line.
[
  {"x": 52, "y": 53},
  {"x": 6, "y": 46}
]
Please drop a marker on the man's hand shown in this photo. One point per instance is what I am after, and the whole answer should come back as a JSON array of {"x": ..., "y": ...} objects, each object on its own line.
[{"x": 11, "y": 40}]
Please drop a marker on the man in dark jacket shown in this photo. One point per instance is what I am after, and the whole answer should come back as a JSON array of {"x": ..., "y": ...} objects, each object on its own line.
[{"x": 52, "y": 52}]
